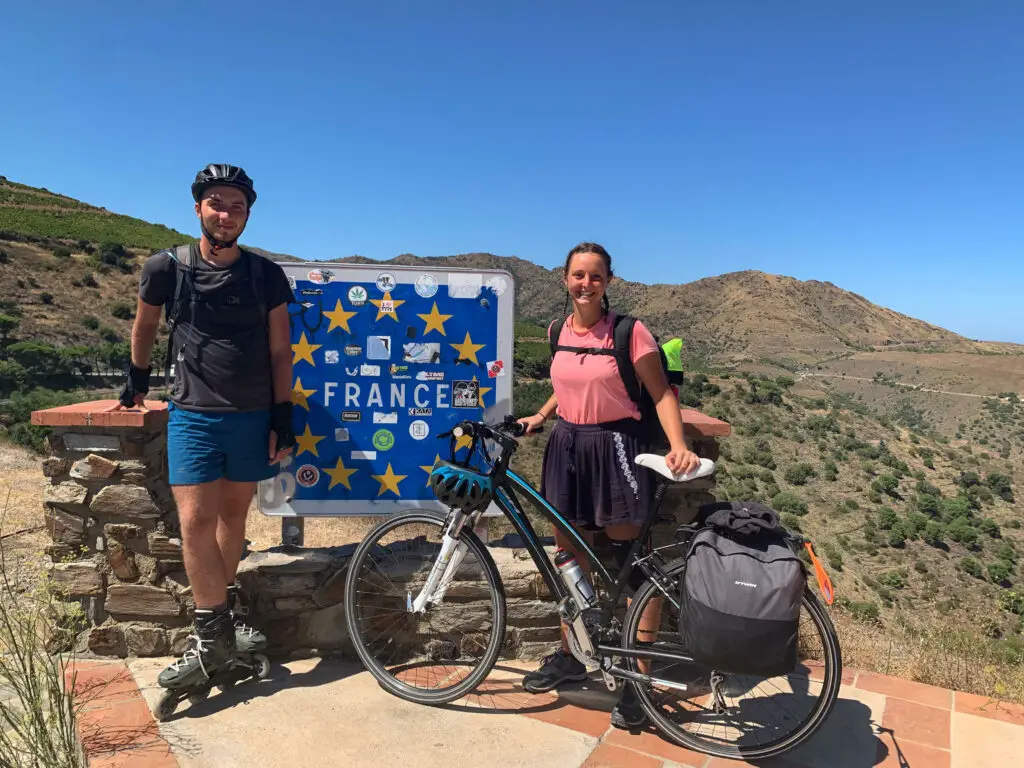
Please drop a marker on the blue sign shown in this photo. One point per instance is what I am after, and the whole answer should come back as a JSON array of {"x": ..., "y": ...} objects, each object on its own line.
[{"x": 385, "y": 359}]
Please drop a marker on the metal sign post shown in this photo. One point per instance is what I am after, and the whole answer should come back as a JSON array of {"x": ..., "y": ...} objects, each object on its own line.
[{"x": 386, "y": 358}]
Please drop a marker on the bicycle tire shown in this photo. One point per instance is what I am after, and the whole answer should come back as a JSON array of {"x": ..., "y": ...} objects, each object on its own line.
[
  {"x": 818, "y": 716},
  {"x": 497, "y": 597}
]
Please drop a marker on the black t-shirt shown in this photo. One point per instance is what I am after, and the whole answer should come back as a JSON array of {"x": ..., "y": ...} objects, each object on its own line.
[{"x": 225, "y": 349}]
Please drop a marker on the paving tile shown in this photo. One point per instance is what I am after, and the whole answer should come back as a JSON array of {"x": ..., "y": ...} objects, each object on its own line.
[
  {"x": 778, "y": 762},
  {"x": 983, "y": 706},
  {"x": 155, "y": 754},
  {"x": 907, "y": 690},
  {"x": 847, "y": 738},
  {"x": 816, "y": 671},
  {"x": 918, "y": 723},
  {"x": 981, "y": 741},
  {"x": 117, "y": 726},
  {"x": 99, "y": 687},
  {"x": 592, "y": 722},
  {"x": 609, "y": 756},
  {"x": 651, "y": 743},
  {"x": 907, "y": 754}
]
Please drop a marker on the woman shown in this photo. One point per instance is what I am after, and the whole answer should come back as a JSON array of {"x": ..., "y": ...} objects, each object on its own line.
[{"x": 589, "y": 472}]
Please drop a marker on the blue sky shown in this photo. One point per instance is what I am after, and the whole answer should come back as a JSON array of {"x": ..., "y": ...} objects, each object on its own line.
[{"x": 876, "y": 145}]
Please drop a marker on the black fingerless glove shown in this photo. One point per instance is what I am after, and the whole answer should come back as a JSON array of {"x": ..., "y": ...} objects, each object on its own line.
[
  {"x": 137, "y": 384},
  {"x": 281, "y": 423}
]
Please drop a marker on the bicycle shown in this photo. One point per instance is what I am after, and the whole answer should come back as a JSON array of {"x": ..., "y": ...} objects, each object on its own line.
[{"x": 397, "y": 621}]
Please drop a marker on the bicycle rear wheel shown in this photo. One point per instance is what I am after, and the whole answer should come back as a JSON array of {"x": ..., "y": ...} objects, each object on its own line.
[
  {"x": 731, "y": 715},
  {"x": 443, "y": 653}
]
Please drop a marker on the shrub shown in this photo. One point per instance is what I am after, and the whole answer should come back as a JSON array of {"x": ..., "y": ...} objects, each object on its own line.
[
  {"x": 934, "y": 534},
  {"x": 1000, "y": 485},
  {"x": 62, "y": 252},
  {"x": 887, "y": 518},
  {"x": 787, "y": 501},
  {"x": 990, "y": 527},
  {"x": 799, "y": 474},
  {"x": 866, "y": 612},
  {"x": 920, "y": 567},
  {"x": 122, "y": 311},
  {"x": 89, "y": 281},
  {"x": 46, "y": 298},
  {"x": 1005, "y": 551},
  {"x": 971, "y": 567},
  {"x": 962, "y": 532},
  {"x": 829, "y": 470},
  {"x": 923, "y": 486},
  {"x": 958, "y": 506},
  {"x": 791, "y": 522},
  {"x": 897, "y": 537},
  {"x": 928, "y": 504},
  {"x": 90, "y": 322},
  {"x": 999, "y": 573},
  {"x": 886, "y": 484},
  {"x": 893, "y": 580}
]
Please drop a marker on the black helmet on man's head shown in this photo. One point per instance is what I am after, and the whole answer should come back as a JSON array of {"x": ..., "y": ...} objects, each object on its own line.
[{"x": 223, "y": 175}]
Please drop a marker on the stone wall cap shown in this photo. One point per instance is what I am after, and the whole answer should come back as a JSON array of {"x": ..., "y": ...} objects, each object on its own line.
[
  {"x": 98, "y": 413},
  {"x": 704, "y": 425}
]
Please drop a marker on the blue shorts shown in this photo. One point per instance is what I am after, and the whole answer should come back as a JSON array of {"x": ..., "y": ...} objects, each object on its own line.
[{"x": 202, "y": 447}]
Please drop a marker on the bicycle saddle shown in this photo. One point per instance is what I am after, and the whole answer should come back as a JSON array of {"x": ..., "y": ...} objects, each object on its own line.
[{"x": 657, "y": 463}]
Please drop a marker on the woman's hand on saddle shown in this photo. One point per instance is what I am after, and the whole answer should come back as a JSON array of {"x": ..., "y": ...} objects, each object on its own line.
[
  {"x": 682, "y": 460},
  {"x": 530, "y": 423}
]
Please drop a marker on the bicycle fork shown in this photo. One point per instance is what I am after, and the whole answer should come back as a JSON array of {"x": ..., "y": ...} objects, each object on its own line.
[{"x": 443, "y": 571}]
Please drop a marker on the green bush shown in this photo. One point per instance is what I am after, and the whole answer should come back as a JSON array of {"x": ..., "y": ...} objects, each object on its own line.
[
  {"x": 62, "y": 252},
  {"x": 958, "y": 506},
  {"x": 865, "y": 612},
  {"x": 896, "y": 537},
  {"x": 893, "y": 580},
  {"x": 962, "y": 532},
  {"x": 990, "y": 527},
  {"x": 887, "y": 518},
  {"x": 531, "y": 397},
  {"x": 971, "y": 567},
  {"x": 934, "y": 534},
  {"x": 923, "y": 486},
  {"x": 787, "y": 501},
  {"x": 999, "y": 573},
  {"x": 920, "y": 567},
  {"x": 122, "y": 311},
  {"x": 90, "y": 322},
  {"x": 799, "y": 474},
  {"x": 886, "y": 484},
  {"x": 1001, "y": 486},
  {"x": 928, "y": 504},
  {"x": 791, "y": 522}
]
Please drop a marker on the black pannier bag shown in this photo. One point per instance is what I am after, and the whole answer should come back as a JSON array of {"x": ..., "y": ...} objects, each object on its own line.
[{"x": 741, "y": 592}]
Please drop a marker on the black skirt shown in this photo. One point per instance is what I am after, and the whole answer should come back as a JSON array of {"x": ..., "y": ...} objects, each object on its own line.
[{"x": 590, "y": 475}]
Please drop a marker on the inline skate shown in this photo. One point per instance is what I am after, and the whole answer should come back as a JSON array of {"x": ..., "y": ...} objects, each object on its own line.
[{"x": 211, "y": 659}]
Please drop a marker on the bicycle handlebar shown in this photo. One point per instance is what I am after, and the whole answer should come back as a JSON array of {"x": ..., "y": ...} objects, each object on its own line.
[{"x": 502, "y": 432}]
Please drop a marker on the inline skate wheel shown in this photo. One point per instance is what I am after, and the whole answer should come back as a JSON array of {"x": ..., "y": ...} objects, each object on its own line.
[
  {"x": 199, "y": 698},
  {"x": 262, "y": 666},
  {"x": 165, "y": 706}
]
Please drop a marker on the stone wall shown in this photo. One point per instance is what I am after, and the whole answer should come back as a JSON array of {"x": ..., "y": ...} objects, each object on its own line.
[{"x": 116, "y": 551}]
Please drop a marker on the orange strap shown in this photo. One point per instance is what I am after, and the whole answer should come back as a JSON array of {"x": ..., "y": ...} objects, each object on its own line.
[{"x": 824, "y": 583}]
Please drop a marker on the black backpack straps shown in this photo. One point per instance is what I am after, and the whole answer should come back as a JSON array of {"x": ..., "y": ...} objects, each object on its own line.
[
  {"x": 255, "y": 262},
  {"x": 182, "y": 257},
  {"x": 553, "y": 335},
  {"x": 623, "y": 333}
]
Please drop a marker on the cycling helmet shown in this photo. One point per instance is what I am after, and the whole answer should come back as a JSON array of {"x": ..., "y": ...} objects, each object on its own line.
[
  {"x": 222, "y": 174},
  {"x": 461, "y": 487}
]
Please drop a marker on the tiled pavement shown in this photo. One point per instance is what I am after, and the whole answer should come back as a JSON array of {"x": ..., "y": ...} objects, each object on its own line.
[{"x": 878, "y": 721}]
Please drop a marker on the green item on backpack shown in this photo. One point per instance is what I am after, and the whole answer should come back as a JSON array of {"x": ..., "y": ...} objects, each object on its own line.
[{"x": 673, "y": 349}]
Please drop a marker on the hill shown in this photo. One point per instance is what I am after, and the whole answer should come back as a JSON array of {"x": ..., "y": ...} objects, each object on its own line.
[{"x": 894, "y": 444}]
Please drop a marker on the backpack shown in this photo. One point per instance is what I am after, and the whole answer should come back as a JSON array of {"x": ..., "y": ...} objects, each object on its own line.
[
  {"x": 185, "y": 292},
  {"x": 654, "y": 434},
  {"x": 741, "y": 593}
]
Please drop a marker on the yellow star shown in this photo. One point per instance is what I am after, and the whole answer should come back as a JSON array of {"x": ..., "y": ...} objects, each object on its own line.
[
  {"x": 467, "y": 350},
  {"x": 390, "y": 303},
  {"x": 339, "y": 317},
  {"x": 389, "y": 481},
  {"x": 307, "y": 442},
  {"x": 434, "y": 320},
  {"x": 340, "y": 475},
  {"x": 483, "y": 391},
  {"x": 300, "y": 396},
  {"x": 304, "y": 350},
  {"x": 428, "y": 468},
  {"x": 466, "y": 441}
]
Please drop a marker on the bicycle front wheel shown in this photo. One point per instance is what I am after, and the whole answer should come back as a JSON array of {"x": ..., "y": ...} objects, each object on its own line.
[
  {"x": 443, "y": 652},
  {"x": 733, "y": 715}
]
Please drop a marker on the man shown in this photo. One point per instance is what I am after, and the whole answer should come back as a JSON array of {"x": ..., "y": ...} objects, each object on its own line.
[{"x": 229, "y": 415}]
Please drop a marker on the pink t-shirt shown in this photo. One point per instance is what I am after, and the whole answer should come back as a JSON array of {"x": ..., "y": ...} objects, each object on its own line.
[{"x": 589, "y": 388}]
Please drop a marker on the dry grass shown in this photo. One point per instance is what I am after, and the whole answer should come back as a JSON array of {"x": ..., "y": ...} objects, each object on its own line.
[{"x": 947, "y": 656}]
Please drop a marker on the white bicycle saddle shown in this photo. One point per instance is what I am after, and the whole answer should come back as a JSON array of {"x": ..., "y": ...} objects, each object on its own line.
[{"x": 657, "y": 463}]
